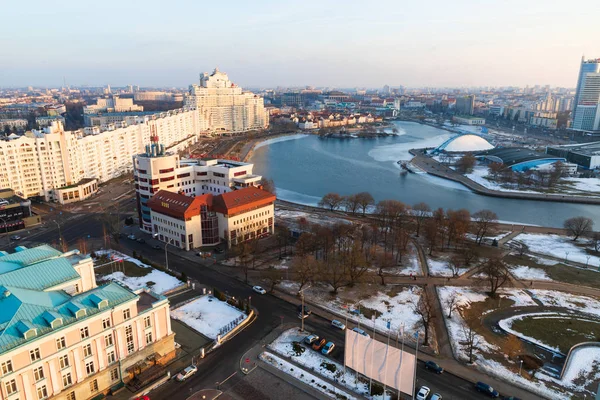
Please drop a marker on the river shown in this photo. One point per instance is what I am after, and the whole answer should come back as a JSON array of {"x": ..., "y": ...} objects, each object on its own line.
[{"x": 305, "y": 167}]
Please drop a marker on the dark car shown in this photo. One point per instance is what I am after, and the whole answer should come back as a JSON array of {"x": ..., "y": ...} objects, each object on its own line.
[
  {"x": 486, "y": 389},
  {"x": 140, "y": 240},
  {"x": 15, "y": 237},
  {"x": 219, "y": 250},
  {"x": 430, "y": 365},
  {"x": 156, "y": 247}
]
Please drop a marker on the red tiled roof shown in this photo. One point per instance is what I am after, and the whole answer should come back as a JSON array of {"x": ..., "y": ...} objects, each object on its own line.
[
  {"x": 177, "y": 205},
  {"x": 242, "y": 200}
]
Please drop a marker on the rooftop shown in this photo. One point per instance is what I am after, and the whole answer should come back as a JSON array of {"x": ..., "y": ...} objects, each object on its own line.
[
  {"x": 589, "y": 149},
  {"x": 242, "y": 200},
  {"x": 177, "y": 205},
  {"x": 510, "y": 156}
]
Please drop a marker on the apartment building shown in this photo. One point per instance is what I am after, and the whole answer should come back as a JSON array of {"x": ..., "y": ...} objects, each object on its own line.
[
  {"x": 64, "y": 337},
  {"x": 232, "y": 217},
  {"x": 157, "y": 170},
  {"x": 113, "y": 104},
  {"x": 17, "y": 123},
  {"x": 39, "y": 162},
  {"x": 225, "y": 107}
]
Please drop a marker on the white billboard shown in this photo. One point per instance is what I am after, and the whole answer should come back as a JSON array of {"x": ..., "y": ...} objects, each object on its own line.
[{"x": 386, "y": 364}]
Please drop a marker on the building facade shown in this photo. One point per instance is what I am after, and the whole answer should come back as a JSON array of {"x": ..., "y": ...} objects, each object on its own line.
[
  {"x": 39, "y": 162},
  {"x": 64, "y": 337},
  {"x": 157, "y": 170},
  {"x": 15, "y": 212},
  {"x": 112, "y": 104},
  {"x": 13, "y": 123},
  {"x": 223, "y": 106},
  {"x": 586, "y": 106},
  {"x": 465, "y": 105}
]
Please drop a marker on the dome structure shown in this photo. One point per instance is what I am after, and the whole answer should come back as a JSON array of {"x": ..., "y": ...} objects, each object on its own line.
[{"x": 465, "y": 142}]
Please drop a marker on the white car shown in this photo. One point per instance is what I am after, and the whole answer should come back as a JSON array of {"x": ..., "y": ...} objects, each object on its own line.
[
  {"x": 338, "y": 324},
  {"x": 259, "y": 289},
  {"x": 186, "y": 373},
  {"x": 423, "y": 393},
  {"x": 131, "y": 237}
]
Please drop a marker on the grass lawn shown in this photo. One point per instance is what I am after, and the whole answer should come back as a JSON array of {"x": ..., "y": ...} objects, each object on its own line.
[
  {"x": 561, "y": 272},
  {"x": 561, "y": 332},
  {"x": 128, "y": 268}
]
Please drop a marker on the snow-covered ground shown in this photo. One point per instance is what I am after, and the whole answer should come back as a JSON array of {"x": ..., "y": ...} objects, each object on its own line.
[
  {"x": 313, "y": 218},
  {"x": 507, "y": 324},
  {"x": 557, "y": 246},
  {"x": 585, "y": 184},
  {"x": 440, "y": 268},
  {"x": 575, "y": 302},
  {"x": 528, "y": 273},
  {"x": 314, "y": 361},
  {"x": 410, "y": 265},
  {"x": 456, "y": 329},
  {"x": 480, "y": 172},
  {"x": 162, "y": 281},
  {"x": 115, "y": 255},
  {"x": 499, "y": 236},
  {"x": 584, "y": 365},
  {"x": 309, "y": 379},
  {"x": 209, "y": 316}
]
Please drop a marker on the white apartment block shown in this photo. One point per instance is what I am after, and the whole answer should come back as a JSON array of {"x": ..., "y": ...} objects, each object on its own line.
[
  {"x": 39, "y": 162},
  {"x": 112, "y": 104},
  {"x": 157, "y": 96},
  {"x": 13, "y": 123},
  {"x": 224, "y": 107},
  {"x": 156, "y": 170}
]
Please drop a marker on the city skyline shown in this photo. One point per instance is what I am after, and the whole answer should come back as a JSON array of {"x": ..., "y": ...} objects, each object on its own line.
[{"x": 270, "y": 44}]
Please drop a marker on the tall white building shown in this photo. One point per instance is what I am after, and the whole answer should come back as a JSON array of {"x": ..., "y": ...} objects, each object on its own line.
[
  {"x": 39, "y": 162},
  {"x": 586, "y": 107},
  {"x": 225, "y": 107}
]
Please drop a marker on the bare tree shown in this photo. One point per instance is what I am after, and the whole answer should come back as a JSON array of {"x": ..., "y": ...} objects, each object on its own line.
[
  {"x": 355, "y": 262},
  {"x": 365, "y": 200},
  {"x": 471, "y": 341},
  {"x": 468, "y": 254},
  {"x": 495, "y": 273},
  {"x": 465, "y": 164},
  {"x": 333, "y": 273},
  {"x": 425, "y": 309},
  {"x": 333, "y": 201},
  {"x": 578, "y": 226},
  {"x": 384, "y": 261},
  {"x": 485, "y": 220},
  {"x": 452, "y": 303},
  {"x": 302, "y": 270},
  {"x": 420, "y": 212},
  {"x": 243, "y": 253},
  {"x": 273, "y": 278},
  {"x": 351, "y": 204},
  {"x": 494, "y": 169},
  {"x": 454, "y": 263}
]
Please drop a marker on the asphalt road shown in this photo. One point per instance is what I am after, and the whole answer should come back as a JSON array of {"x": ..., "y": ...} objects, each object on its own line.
[{"x": 272, "y": 311}]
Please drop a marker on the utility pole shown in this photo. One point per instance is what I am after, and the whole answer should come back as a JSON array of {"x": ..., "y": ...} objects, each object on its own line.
[{"x": 302, "y": 310}]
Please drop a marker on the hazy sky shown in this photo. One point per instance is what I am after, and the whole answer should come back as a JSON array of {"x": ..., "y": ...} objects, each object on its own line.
[{"x": 319, "y": 43}]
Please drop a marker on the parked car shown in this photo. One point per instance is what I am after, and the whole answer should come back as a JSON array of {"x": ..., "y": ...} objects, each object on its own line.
[
  {"x": 310, "y": 339},
  {"x": 430, "y": 365},
  {"x": 259, "y": 289},
  {"x": 219, "y": 250},
  {"x": 436, "y": 396},
  {"x": 156, "y": 247},
  {"x": 487, "y": 389},
  {"x": 141, "y": 240},
  {"x": 186, "y": 373},
  {"x": 338, "y": 324},
  {"x": 361, "y": 332},
  {"x": 423, "y": 393},
  {"x": 328, "y": 348},
  {"x": 15, "y": 237},
  {"x": 131, "y": 237},
  {"x": 319, "y": 344},
  {"x": 511, "y": 398}
]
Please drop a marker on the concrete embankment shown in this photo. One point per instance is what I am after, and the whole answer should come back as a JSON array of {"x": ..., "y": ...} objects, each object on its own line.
[{"x": 435, "y": 168}]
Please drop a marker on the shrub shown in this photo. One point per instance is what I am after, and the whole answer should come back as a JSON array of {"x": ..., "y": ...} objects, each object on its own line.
[
  {"x": 376, "y": 389},
  {"x": 298, "y": 348},
  {"x": 134, "y": 254},
  {"x": 328, "y": 366},
  {"x": 150, "y": 284}
]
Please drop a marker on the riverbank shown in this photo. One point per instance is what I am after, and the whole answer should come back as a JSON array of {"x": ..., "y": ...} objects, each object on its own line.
[
  {"x": 248, "y": 149},
  {"x": 435, "y": 168}
]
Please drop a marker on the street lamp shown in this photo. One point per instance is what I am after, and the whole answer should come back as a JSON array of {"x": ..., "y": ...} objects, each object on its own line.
[
  {"x": 520, "y": 366},
  {"x": 59, "y": 234},
  {"x": 166, "y": 253}
]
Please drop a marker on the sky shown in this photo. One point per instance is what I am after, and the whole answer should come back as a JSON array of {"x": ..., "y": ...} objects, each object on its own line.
[{"x": 329, "y": 43}]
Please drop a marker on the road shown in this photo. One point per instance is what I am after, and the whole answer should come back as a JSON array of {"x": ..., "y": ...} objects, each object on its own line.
[{"x": 272, "y": 311}]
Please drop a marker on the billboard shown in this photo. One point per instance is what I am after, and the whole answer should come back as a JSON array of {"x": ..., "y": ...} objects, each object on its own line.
[{"x": 386, "y": 364}]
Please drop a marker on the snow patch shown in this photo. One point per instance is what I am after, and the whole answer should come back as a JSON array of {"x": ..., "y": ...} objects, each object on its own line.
[
  {"x": 163, "y": 282},
  {"x": 209, "y": 316}
]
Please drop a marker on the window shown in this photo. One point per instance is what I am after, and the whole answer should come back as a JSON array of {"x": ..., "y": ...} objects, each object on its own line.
[
  {"x": 64, "y": 361},
  {"x": 67, "y": 380},
  {"x": 34, "y": 354},
  {"x": 42, "y": 392},
  {"x": 129, "y": 339},
  {"x": 61, "y": 343},
  {"x": 108, "y": 340},
  {"x": 11, "y": 387},
  {"x": 87, "y": 350},
  {"x": 38, "y": 373},
  {"x": 106, "y": 323},
  {"x": 147, "y": 322},
  {"x": 114, "y": 374},
  {"x": 89, "y": 367},
  {"x": 148, "y": 337},
  {"x": 7, "y": 367},
  {"x": 94, "y": 386},
  {"x": 111, "y": 357},
  {"x": 126, "y": 314},
  {"x": 71, "y": 396},
  {"x": 85, "y": 333}
]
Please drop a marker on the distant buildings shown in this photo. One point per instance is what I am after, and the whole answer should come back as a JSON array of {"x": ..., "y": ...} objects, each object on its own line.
[
  {"x": 112, "y": 104},
  {"x": 157, "y": 96},
  {"x": 465, "y": 105},
  {"x": 47, "y": 121},
  {"x": 224, "y": 107},
  {"x": 586, "y": 116},
  {"x": 20, "y": 124},
  {"x": 585, "y": 155},
  {"x": 64, "y": 337},
  {"x": 469, "y": 120}
]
